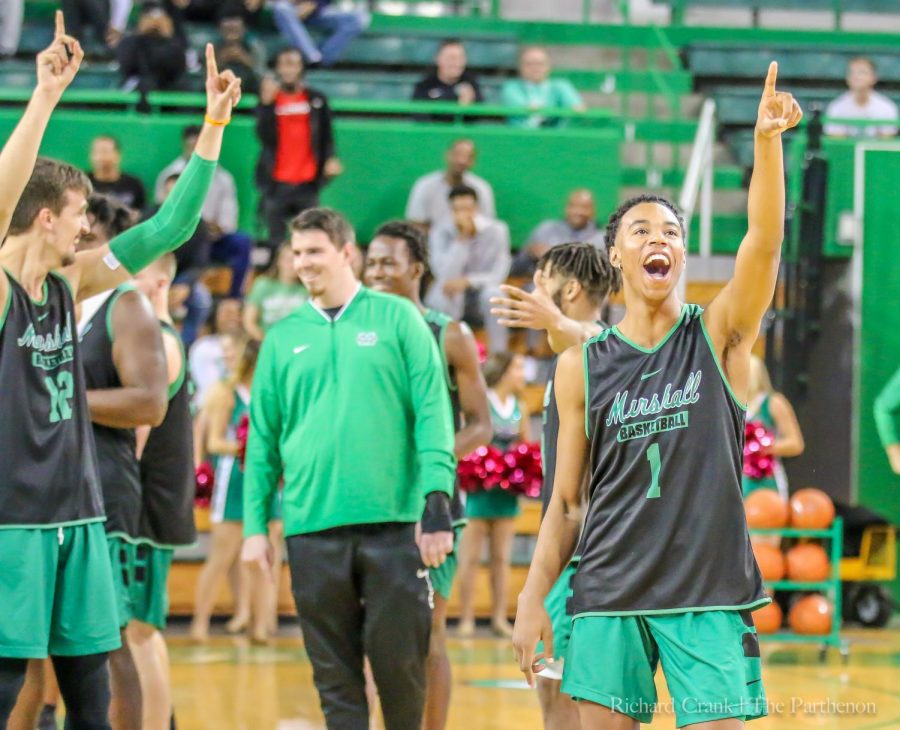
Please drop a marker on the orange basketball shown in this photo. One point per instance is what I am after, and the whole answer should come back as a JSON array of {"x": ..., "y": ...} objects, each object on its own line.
[
  {"x": 808, "y": 563},
  {"x": 811, "y": 615},
  {"x": 768, "y": 619},
  {"x": 770, "y": 560},
  {"x": 765, "y": 509},
  {"x": 811, "y": 509}
]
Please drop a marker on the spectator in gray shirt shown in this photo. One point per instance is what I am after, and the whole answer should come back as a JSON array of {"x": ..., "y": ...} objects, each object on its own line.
[
  {"x": 220, "y": 213},
  {"x": 11, "y": 13},
  {"x": 578, "y": 225},
  {"x": 469, "y": 259},
  {"x": 429, "y": 200}
]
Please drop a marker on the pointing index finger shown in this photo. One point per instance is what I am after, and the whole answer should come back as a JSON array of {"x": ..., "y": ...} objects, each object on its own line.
[
  {"x": 212, "y": 70},
  {"x": 60, "y": 25},
  {"x": 770, "y": 79}
]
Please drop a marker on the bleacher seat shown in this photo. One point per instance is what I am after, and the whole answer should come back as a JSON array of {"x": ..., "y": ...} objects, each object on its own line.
[{"x": 800, "y": 62}]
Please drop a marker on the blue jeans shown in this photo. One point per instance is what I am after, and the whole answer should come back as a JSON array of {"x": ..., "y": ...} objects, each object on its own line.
[
  {"x": 199, "y": 304},
  {"x": 233, "y": 249},
  {"x": 342, "y": 27}
]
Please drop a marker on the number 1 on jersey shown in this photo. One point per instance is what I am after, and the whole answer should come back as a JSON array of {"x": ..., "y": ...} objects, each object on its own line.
[{"x": 655, "y": 466}]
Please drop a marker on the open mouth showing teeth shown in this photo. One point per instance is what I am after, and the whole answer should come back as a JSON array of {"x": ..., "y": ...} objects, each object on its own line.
[{"x": 657, "y": 266}]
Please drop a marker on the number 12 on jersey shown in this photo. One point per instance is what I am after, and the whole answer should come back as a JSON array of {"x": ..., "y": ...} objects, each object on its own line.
[{"x": 655, "y": 467}]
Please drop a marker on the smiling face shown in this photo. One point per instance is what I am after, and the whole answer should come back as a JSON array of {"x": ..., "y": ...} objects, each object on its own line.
[
  {"x": 65, "y": 230},
  {"x": 649, "y": 249},
  {"x": 317, "y": 261},
  {"x": 389, "y": 268}
]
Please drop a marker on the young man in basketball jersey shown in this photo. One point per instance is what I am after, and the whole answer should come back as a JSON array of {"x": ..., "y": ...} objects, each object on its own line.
[
  {"x": 349, "y": 404},
  {"x": 125, "y": 376},
  {"x": 58, "y": 597},
  {"x": 396, "y": 262},
  {"x": 167, "y": 518},
  {"x": 666, "y": 574},
  {"x": 571, "y": 285}
]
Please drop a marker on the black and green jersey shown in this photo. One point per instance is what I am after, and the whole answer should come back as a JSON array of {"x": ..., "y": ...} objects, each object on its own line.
[
  {"x": 47, "y": 454},
  {"x": 549, "y": 437},
  {"x": 352, "y": 411},
  {"x": 117, "y": 463},
  {"x": 665, "y": 529},
  {"x": 167, "y": 467},
  {"x": 437, "y": 322}
]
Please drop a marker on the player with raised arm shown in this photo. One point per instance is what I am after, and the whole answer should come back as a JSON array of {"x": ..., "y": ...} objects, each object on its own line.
[
  {"x": 53, "y": 558},
  {"x": 396, "y": 262},
  {"x": 571, "y": 284},
  {"x": 666, "y": 574}
]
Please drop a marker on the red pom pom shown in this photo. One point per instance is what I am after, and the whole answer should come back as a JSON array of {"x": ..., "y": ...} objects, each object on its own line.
[
  {"x": 758, "y": 461},
  {"x": 525, "y": 473},
  {"x": 205, "y": 479},
  {"x": 241, "y": 433}
]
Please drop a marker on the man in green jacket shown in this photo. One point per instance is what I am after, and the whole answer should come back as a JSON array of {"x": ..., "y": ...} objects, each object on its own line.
[{"x": 349, "y": 406}]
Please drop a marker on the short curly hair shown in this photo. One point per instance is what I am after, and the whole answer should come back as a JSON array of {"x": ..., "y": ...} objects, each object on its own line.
[
  {"x": 615, "y": 219},
  {"x": 415, "y": 239},
  {"x": 585, "y": 263}
]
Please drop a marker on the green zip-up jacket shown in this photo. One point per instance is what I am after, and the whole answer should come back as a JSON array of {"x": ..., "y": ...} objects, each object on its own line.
[{"x": 353, "y": 413}]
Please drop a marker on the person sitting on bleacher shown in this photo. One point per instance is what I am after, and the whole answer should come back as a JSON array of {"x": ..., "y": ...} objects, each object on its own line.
[
  {"x": 469, "y": 260},
  {"x": 190, "y": 300},
  {"x": 228, "y": 246},
  {"x": 579, "y": 224},
  {"x": 450, "y": 80},
  {"x": 535, "y": 90},
  {"x": 862, "y": 102},
  {"x": 292, "y": 17},
  {"x": 153, "y": 57},
  {"x": 106, "y": 18},
  {"x": 429, "y": 200},
  {"x": 107, "y": 177},
  {"x": 244, "y": 57}
]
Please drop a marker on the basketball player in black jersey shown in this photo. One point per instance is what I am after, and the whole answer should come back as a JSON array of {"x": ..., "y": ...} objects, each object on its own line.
[
  {"x": 571, "y": 284},
  {"x": 58, "y": 597},
  {"x": 167, "y": 518},
  {"x": 666, "y": 574},
  {"x": 125, "y": 376},
  {"x": 396, "y": 263}
]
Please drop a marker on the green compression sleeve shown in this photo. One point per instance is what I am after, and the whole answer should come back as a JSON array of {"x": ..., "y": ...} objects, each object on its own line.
[{"x": 173, "y": 224}]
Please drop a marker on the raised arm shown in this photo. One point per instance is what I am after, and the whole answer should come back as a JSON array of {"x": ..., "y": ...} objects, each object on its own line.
[
  {"x": 535, "y": 310},
  {"x": 462, "y": 356},
  {"x": 106, "y": 267},
  {"x": 559, "y": 531},
  {"x": 140, "y": 361},
  {"x": 734, "y": 316}
]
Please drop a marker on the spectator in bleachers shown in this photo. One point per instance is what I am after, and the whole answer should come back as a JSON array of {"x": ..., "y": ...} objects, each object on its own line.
[
  {"x": 293, "y": 17},
  {"x": 11, "y": 13},
  {"x": 153, "y": 57},
  {"x": 228, "y": 245},
  {"x": 469, "y": 259},
  {"x": 429, "y": 201},
  {"x": 579, "y": 224},
  {"x": 293, "y": 122},
  {"x": 535, "y": 90},
  {"x": 107, "y": 176},
  {"x": 235, "y": 51},
  {"x": 190, "y": 300},
  {"x": 862, "y": 102},
  {"x": 450, "y": 80},
  {"x": 274, "y": 295},
  {"x": 207, "y": 357},
  {"x": 109, "y": 18}
]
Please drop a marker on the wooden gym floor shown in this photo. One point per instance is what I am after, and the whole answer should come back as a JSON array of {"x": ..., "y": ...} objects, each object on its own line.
[{"x": 230, "y": 685}]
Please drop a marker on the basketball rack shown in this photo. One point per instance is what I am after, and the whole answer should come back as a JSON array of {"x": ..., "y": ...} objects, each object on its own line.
[{"x": 831, "y": 588}]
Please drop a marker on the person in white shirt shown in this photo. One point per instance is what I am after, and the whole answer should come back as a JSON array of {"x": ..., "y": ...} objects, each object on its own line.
[
  {"x": 470, "y": 258},
  {"x": 220, "y": 214},
  {"x": 11, "y": 14},
  {"x": 429, "y": 201},
  {"x": 862, "y": 102}
]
